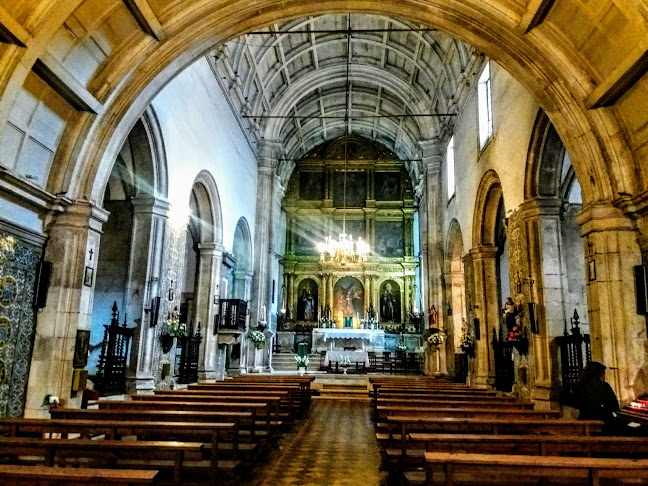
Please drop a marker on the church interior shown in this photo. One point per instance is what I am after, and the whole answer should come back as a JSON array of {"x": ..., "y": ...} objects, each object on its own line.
[{"x": 277, "y": 242}]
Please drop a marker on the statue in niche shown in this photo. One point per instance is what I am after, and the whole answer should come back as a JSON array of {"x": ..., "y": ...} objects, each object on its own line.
[
  {"x": 388, "y": 305},
  {"x": 309, "y": 305},
  {"x": 510, "y": 312},
  {"x": 433, "y": 317}
]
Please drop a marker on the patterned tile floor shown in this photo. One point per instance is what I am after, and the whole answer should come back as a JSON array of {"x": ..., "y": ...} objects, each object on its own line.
[{"x": 334, "y": 446}]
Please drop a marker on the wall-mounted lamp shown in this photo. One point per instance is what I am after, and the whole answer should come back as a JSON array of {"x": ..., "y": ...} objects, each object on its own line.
[
  {"x": 449, "y": 310},
  {"x": 171, "y": 293},
  {"x": 283, "y": 300},
  {"x": 526, "y": 281}
]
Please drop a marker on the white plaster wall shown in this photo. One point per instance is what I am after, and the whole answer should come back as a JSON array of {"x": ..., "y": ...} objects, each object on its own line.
[
  {"x": 201, "y": 133},
  {"x": 514, "y": 114}
]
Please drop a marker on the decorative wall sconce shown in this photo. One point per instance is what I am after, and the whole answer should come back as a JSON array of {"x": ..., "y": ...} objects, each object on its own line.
[
  {"x": 449, "y": 310},
  {"x": 171, "y": 293},
  {"x": 283, "y": 300},
  {"x": 526, "y": 281}
]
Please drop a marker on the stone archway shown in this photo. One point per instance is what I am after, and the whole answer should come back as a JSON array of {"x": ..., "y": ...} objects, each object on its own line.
[{"x": 455, "y": 298}]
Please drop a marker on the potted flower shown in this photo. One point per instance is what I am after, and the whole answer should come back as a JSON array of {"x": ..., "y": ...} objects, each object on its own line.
[
  {"x": 258, "y": 338},
  {"x": 172, "y": 329},
  {"x": 302, "y": 364},
  {"x": 467, "y": 345},
  {"x": 436, "y": 339},
  {"x": 50, "y": 401},
  {"x": 345, "y": 362}
]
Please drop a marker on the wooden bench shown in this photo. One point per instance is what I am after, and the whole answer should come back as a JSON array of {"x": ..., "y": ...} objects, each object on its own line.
[
  {"x": 294, "y": 396},
  {"x": 254, "y": 407},
  {"x": 207, "y": 432},
  {"x": 149, "y": 454},
  {"x": 410, "y": 423},
  {"x": 504, "y": 405},
  {"x": 497, "y": 466},
  {"x": 14, "y": 475},
  {"x": 467, "y": 411},
  {"x": 532, "y": 444}
]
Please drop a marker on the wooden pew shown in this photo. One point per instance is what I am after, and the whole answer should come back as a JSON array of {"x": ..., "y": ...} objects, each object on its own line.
[
  {"x": 13, "y": 475},
  {"x": 59, "y": 451},
  {"x": 207, "y": 432},
  {"x": 428, "y": 402},
  {"x": 179, "y": 405},
  {"x": 466, "y": 411},
  {"x": 294, "y": 395},
  {"x": 274, "y": 401},
  {"x": 590, "y": 469},
  {"x": 409, "y": 423},
  {"x": 533, "y": 444}
]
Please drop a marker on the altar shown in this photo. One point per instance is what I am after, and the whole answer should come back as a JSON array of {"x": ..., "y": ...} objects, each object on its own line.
[{"x": 339, "y": 338}]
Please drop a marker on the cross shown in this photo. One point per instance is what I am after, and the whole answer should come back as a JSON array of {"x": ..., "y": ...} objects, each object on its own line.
[{"x": 91, "y": 253}]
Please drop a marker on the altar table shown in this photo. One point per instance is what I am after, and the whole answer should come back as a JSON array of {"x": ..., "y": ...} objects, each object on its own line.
[
  {"x": 329, "y": 339},
  {"x": 353, "y": 356}
]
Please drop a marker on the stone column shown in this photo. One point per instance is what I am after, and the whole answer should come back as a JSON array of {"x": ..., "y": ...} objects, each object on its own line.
[
  {"x": 543, "y": 224},
  {"x": 618, "y": 333},
  {"x": 432, "y": 157},
  {"x": 73, "y": 245},
  {"x": 486, "y": 309},
  {"x": 145, "y": 272},
  {"x": 210, "y": 259}
]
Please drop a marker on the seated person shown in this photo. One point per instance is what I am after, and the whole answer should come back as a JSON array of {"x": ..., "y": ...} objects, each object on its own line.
[{"x": 594, "y": 397}]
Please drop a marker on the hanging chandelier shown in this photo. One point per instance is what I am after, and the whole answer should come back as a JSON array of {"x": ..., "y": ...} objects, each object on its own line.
[{"x": 344, "y": 250}]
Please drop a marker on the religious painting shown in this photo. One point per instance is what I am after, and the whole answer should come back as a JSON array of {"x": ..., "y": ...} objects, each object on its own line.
[
  {"x": 389, "y": 239},
  {"x": 311, "y": 185},
  {"x": 356, "y": 189},
  {"x": 305, "y": 239},
  {"x": 387, "y": 186},
  {"x": 355, "y": 228},
  {"x": 348, "y": 299},
  {"x": 81, "y": 349},
  {"x": 390, "y": 298},
  {"x": 307, "y": 300}
]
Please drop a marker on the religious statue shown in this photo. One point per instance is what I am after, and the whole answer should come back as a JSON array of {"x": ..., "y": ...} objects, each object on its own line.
[
  {"x": 387, "y": 305},
  {"x": 433, "y": 317},
  {"x": 309, "y": 305},
  {"x": 510, "y": 312}
]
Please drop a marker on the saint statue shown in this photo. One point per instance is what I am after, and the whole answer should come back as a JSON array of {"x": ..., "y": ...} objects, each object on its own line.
[
  {"x": 433, "y": 316},
  {"x": 510, "y": 311},
  {"x": 309, "y": 305},
  {"x": 387, "y": 305}
]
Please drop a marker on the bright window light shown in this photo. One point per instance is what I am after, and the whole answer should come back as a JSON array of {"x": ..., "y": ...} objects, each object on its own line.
[
  {"x": 485, "y": 107},
  {"x": 450, "y": 167}
]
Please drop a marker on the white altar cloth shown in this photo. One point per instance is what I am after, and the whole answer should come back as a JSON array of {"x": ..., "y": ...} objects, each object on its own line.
[
  {"x": 342, "y": 333},
  {"x": 354, "y": 356}
]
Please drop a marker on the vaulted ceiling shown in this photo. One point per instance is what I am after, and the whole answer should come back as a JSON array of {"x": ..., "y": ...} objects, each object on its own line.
[{"x": 292, "y": 88}]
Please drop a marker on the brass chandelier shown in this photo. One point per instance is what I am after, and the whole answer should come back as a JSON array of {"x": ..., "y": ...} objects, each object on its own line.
[{"x": 344, "y": 250}]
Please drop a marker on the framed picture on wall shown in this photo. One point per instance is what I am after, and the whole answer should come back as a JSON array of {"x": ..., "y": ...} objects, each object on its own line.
[
  {"x": 81, "y": 349},
  {"x": 155, "y": 311},
  {"x": 592, "y": 270},
  {"x": 88, "y": 276}
]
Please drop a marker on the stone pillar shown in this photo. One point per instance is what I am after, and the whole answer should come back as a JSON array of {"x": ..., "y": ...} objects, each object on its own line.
[
  {"x": 618, "y": 333},
  {"x": 210, "y": 259},
  {"x": 432, "y": 158},
  {"x": 144, "y": 283},
  {"x": 267, "y": 185},
  {"x": 486, "y": 309},
  {"x": 546, "y": 265},
  {"x": 73, "y": 245}
]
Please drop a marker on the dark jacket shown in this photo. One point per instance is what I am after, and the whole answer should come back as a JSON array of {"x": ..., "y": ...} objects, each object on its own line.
[{"x": 596, "y": 400}]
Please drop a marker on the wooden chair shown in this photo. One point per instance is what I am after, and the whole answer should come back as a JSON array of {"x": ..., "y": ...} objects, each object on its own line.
[
  {"x": 413, "y": 363},
  {"x": 387, "y": 361},
  {"x": 322, "y": 366},
  {"x": 373, "y": 365},
  {"x": 401, "y": 361},
  {"x": 333, "y": 368}
]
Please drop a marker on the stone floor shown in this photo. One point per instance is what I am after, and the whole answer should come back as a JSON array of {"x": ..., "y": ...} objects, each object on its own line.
[{"x": 335, "y": 445}]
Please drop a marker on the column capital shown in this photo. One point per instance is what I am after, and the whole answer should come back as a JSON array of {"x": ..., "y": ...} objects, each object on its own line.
[
  {"x": 483, "y": 252},
  {"x": 82, "y": 214},
  {"x": 268, "y": 153},
  {"x": 541, "y": 206},
  {"x": 211, "y": 249},
  {"x": 152, "y": 205},
  {"x": 597, "y": 218}
]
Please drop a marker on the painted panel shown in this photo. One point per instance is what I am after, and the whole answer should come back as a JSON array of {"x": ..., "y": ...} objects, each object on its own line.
[
  {"x": 389, "y": 239},
  {"x": 307, "y": 304}
]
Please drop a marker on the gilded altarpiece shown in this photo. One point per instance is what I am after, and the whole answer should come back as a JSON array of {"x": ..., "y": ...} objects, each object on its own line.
[
  {"x": 379, "y": 208},
  {"x": 18, "y": 262}
]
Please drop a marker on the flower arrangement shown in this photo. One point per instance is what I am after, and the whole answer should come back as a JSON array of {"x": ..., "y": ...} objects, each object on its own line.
[
  {"x": 258, "y": 338},
  {"x": 402, "y": 346},
  {"x": 346, "y": 361},
  {"x": 173, "y": 326},
  {"x": 302, "y": 361},
  {"x": 514, "y": 334},
  {"x": 51, "y": 401},
  {"x": 436, "y": 339}
]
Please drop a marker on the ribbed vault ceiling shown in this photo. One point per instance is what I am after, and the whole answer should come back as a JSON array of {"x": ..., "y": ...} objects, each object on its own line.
[{"x": 300, "y": 81}]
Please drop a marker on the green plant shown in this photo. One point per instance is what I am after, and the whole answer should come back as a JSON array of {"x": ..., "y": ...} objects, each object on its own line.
[
  {"x": 302, "y": 361},
  {"x": 257, "y": 337},
  {"x": 436, "y": 339},
  {"x": 173, "y": 326}
]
